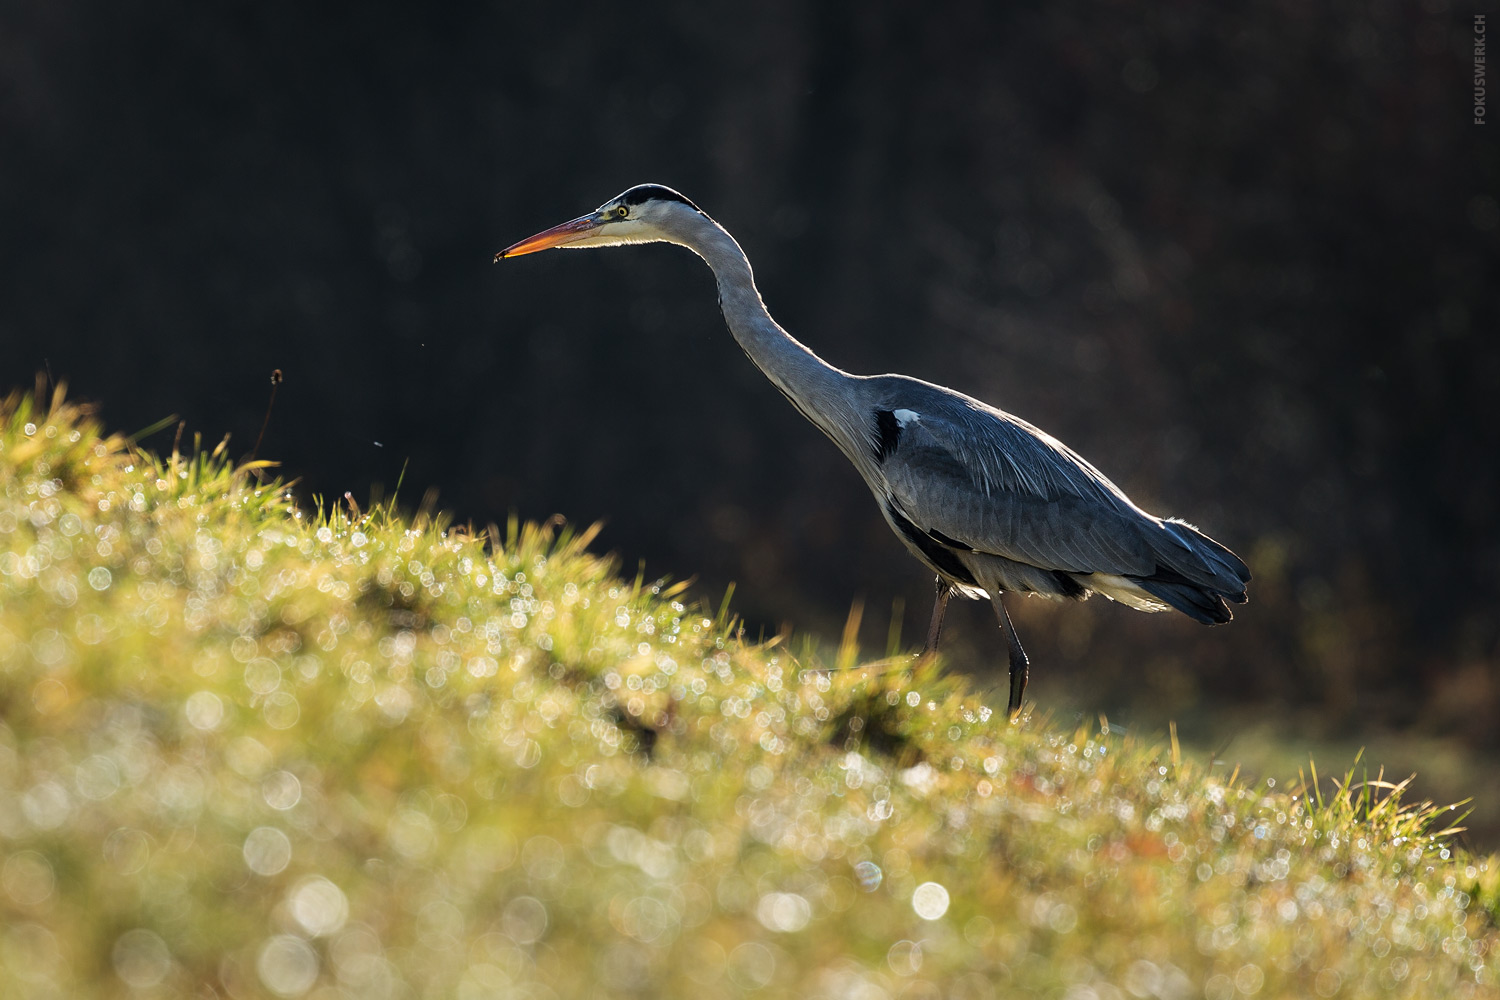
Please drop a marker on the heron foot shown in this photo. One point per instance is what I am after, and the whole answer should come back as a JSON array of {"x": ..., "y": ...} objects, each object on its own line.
[{"x": 1019, "y": 671}]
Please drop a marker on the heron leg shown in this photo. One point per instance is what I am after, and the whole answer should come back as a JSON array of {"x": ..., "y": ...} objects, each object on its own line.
[
  {"x": 939, "y": 609},
  {"x": 1019, "y": 662}
]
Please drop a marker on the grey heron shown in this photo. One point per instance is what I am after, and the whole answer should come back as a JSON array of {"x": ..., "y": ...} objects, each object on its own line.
[{"x": 987, "y": 502}]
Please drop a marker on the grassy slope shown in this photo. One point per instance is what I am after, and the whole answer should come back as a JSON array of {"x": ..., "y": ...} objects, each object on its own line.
[{"x": 245, "y": 751}]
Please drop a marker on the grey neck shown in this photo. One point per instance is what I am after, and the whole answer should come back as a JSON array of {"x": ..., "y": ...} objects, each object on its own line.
[{"x": 825, "y": 395}]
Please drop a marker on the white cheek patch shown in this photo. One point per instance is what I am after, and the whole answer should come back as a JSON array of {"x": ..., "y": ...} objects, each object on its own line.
[{"x": 904, "y": 417}]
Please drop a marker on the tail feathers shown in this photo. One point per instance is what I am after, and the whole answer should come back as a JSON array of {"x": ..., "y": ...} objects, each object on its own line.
[
  {"x": 1193, "y": 574},
  {"x": 1200, "y": 560},
  {"x": 1198, "y": 603}
]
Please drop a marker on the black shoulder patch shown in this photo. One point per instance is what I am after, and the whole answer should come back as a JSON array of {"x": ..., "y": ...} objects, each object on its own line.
[
  {"x": 889, "y": 431},
  {"x": 938, "y": 557},
  {"x": 655, "y": 192}
]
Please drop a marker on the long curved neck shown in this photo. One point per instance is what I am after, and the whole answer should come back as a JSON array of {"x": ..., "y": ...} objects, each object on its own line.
[{"x": 819, "y": 390}]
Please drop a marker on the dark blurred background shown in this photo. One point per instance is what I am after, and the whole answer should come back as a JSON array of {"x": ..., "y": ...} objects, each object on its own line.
[{"x": 1243, "y": 257}]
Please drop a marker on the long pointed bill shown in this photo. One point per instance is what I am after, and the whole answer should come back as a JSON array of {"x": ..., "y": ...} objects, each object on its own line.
[{"x": 557, "y": 236}]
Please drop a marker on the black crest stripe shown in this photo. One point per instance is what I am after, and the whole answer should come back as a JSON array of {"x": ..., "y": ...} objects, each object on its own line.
[{"x": 656, "y": 192}]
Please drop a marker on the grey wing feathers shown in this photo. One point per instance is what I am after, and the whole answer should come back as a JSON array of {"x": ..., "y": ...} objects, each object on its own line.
[
  {"x": 999, "y": 486},
  {"x": 994, "y": 484}
]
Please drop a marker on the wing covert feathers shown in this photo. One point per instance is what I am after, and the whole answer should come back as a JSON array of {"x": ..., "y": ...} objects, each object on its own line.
[{"x": 1006, "y": 500}]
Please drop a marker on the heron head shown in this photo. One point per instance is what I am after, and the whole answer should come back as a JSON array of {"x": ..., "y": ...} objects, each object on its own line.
[{"x": 646, "y": 213}]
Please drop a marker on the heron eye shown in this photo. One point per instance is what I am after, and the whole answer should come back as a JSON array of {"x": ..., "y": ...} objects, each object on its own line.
[{"x": 622, "y": 211}]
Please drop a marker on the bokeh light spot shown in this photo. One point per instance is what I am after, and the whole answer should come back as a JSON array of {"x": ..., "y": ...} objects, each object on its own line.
[
  {"x": 267, "y": 850},
  {"x": 319, "y": 906},
  {"x": 281, "y": 790},
  {"x": 204, "y": 710},
  {"x": 524, "y": 919},
  {"x": 281, "y": 710},
  {"x": 930, "y": 901},
  {"x": 869, "y": 875},
  {"x": 27, "y": 878},
  {"x": 141, "y": 958},
  {"x": 751, "y": 965},
  {"x": 785, "y": 912},
  {"x": 287, "y": 965}
]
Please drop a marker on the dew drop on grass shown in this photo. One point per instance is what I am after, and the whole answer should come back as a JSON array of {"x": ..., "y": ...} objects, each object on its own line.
[
  {"x": 267, "y": 850},
  {"x": 524, "y": 920},
  {"x": 751, "y": 965},
  {"x": 49, "y": 696},
  {"x": 921, "y": 778},
  {"x": 482, "y": 666},
  {"x": 248, "y": 757},
  {"x": 786, "y": 912},
  {"x": 97, "y": 778},
  {"x": 27, "y": 878},
  {"x": 358, "y": 961},
  {"x": 490, "y": 850},
  {"x": 281, "y": 790},
  {"x": 930, "y": 901},
  {"x": 571, "y": 792},
  {"x": 281, "y": 710},
  {"x": 262, "y": 675},
  {"x": 319, "y": 906},
  {"x": 625, "y": 965},
  {"x": 411, "y": 834},
  {"x": 905, "y": 958},
  {"x": 394, "y": 702},
  {"x": 646, "y": 919},
  {"x": 204, "y": 710},
  {"x": 127, "y": 850},
  {"x": 29, "y": 952},
  {"x": 529, "y": 754},
  {"x": 450, "y": 813},
  {"x": 46, "y": 805},
  {"x": 1144, "y": 979},
  {"x": 542, "y": 857},
  {"x": 141, "y": 958},
  {"x": 287, "y": 965}
]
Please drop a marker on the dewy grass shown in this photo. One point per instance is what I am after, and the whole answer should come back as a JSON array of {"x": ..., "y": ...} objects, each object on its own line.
[{"x": 252, "y": 751}]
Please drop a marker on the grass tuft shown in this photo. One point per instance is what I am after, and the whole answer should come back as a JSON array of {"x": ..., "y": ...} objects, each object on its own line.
[{"x": 252, "y": 750}]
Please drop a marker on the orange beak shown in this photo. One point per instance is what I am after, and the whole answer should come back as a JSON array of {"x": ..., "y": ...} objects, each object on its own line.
[{"x": 557, "y": 236}]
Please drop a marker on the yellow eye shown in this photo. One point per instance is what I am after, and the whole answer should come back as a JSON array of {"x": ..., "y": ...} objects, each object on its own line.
[{"x": 622, "y": 211}]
